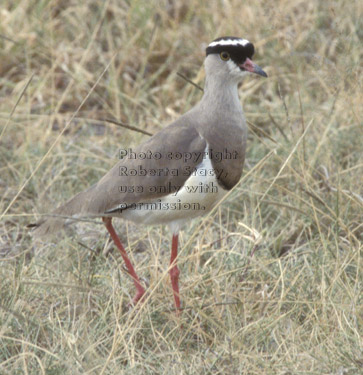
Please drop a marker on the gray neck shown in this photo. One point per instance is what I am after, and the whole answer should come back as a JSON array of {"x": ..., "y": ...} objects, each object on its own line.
[{"x": 221, "y": 95}]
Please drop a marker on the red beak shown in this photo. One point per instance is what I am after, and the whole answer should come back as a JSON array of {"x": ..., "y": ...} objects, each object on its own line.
[{"x": 250, "y": 66}]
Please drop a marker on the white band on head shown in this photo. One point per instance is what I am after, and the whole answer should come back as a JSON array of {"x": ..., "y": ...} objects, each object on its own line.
[{"x": 229, "y": 42}]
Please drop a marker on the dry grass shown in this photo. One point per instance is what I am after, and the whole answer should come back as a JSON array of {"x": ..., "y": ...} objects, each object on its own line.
[{"x": 295, "y": 306}]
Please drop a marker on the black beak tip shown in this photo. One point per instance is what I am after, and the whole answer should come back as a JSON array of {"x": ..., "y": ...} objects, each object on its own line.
[{"x": 260, "y": 72}]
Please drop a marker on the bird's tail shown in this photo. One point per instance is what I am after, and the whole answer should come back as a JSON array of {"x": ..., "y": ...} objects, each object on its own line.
[{"x": 57, "y": 219}]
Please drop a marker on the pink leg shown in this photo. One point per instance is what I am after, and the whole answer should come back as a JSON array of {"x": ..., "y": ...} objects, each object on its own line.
[
  {"x": 174, "y": 271},
  {"x": 140, "y": 291}
]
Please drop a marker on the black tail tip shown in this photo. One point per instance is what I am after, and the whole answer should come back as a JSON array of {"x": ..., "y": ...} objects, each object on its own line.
[{"x": 32, "y": 225}]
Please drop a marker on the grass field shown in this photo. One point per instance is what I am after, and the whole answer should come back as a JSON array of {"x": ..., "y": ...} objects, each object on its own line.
[{"x": 271, "y": 280}]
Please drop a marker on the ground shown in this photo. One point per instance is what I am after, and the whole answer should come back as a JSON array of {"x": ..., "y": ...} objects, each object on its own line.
[{"x": 271, "y": 280}]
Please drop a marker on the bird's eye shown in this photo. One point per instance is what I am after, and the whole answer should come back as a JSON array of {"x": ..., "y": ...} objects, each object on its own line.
[{"x": 224, "y": 56}]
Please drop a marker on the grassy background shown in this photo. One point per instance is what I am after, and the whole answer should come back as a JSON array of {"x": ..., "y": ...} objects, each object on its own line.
[{"x": 271, "y": 280}]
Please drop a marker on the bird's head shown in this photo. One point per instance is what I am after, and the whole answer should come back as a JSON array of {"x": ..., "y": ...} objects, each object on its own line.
[{"x": 231, "y": 59}]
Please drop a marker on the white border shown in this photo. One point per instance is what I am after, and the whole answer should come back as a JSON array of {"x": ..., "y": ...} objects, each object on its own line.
[{"x": 229, "y": 42}]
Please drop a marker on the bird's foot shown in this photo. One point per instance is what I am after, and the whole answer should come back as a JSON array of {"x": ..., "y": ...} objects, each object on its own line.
[{"x": 139, "y": 296}]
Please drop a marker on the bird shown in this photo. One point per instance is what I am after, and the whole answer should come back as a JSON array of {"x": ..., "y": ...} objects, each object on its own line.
[{"x": 183, "y": 170}]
